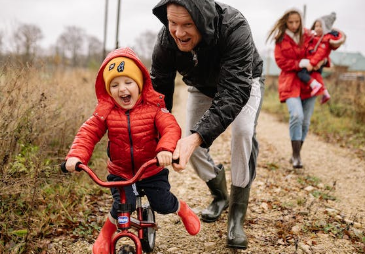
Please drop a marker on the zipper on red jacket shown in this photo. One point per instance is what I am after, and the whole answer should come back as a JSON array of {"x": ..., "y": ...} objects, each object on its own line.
[{"x": 130, "y": 139}]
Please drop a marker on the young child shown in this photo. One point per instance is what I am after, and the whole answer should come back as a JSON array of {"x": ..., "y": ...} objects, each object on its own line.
[
  {"x": 139, "y": 127},
  {"x": 323, "y": 41}
]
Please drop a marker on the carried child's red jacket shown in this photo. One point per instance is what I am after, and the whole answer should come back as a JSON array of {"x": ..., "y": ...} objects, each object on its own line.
[
  {"x": 288, "y": 55},
  {"x": 135, "y": 135},
  {"x": 320, "y": 48}
]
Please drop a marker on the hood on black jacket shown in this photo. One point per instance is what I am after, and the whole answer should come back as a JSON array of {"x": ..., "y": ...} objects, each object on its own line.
[{"x": 203, "y": 13}]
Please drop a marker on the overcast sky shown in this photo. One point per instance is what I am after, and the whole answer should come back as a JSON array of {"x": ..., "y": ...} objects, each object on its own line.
[{"x": 52, "y": 16}]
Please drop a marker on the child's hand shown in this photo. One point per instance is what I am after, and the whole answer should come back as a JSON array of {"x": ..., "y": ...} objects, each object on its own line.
[
  {"x": 71, "y": 163},
  {"x": 164, "y": 158},
  {"x": 319, "y": 64},
  {"x": 309, "y": 67}
]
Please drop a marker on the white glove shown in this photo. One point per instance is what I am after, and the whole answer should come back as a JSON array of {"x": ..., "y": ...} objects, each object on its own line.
[{"x": 303, "y": 63}]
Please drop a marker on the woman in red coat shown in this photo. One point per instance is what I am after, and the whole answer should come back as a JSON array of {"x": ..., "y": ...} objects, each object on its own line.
[
  {"x": 291, "y": 43},
  {"x": 290, "y": 40},
  {"x": 139, "y": 128}
]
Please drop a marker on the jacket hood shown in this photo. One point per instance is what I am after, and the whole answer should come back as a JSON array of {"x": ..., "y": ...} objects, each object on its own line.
[
  {"x": 106, "y": 102},
  {"x": 203, "y": 13},
  {"x": 326, "y": 22}
]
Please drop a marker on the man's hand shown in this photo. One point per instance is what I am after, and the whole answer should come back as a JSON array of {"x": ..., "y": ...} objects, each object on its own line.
[
  {"x": 184, "y": 149},
  {"x": 164, "y": 158}
]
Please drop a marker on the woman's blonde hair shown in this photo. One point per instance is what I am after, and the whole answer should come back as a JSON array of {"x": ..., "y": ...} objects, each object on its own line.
[{"x": 278, "y": 31}]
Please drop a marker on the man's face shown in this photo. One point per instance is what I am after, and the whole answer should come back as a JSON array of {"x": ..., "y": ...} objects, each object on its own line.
[{"x": 182, "y": 28}]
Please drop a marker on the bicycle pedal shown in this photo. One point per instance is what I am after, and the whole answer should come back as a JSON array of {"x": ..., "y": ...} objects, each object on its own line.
[
  {"x": 156, "y": 227},
  {"x": 134, "y": 220}
]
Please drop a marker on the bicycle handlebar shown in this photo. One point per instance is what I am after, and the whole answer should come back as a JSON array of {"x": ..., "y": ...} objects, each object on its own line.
[
  {"x": 64, "y": 170},
  {"x": 97, "y": 180}
]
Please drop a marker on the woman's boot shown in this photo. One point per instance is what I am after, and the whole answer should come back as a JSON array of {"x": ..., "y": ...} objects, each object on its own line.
[
  {"x": 296, "y": 160},
  {"x": 189, "y": 218},
  {"x": 218, "y": 189},
  {"x": 102, "y": 243},
  {"x": 238, "y": 202}
]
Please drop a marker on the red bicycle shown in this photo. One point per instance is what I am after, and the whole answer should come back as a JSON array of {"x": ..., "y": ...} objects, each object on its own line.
[{"x": 144, "y": 220}]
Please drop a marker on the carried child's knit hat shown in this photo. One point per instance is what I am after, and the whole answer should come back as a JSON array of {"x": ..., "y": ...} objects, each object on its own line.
[
  {"x": 122, "y": 66},
  {"x": 327, "y": 22}
]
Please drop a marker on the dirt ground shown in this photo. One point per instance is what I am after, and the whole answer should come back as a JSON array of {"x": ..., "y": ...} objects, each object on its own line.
[{"x": 319, "y": 209}]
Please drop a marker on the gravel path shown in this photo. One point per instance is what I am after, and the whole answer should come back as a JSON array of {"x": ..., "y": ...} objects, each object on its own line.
[{"x": 332, "y": 164}]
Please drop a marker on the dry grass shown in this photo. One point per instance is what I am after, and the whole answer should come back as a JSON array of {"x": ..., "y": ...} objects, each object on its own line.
[
  {"x": 41, "y": 107},
  {"x": 40, "y": 112}
]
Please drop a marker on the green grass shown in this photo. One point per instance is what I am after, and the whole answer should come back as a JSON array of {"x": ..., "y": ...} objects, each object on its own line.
[{"x": 339, "y": 121}]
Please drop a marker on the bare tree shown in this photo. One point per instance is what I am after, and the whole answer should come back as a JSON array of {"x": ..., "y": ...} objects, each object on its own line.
[
  {"x": 144, "y": 46},
  {"x": 95, "y": 51},
  {"x": 1, "y": 42},
  {"x": 26, "y": 37},
  {"x": 71, "y": 43}
]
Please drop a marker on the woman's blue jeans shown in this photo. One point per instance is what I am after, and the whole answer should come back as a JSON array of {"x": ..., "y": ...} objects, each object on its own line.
[{"x": 300, "y": 113}]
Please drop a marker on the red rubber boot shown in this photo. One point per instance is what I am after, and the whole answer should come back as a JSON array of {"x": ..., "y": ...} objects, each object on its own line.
[
  {"x": 102, "y": 243},
  {"x": 189, "y": 218}
]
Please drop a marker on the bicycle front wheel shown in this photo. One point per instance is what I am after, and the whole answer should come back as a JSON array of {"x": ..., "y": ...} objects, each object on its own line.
[
  {"x": 149, "y": 234},
  {"x": 126, "y": 249}
]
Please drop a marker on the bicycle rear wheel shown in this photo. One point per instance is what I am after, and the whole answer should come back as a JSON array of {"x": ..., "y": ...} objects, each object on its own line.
[{"x": 149, "y": 234}]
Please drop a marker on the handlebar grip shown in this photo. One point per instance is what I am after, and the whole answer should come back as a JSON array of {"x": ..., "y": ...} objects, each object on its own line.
[
  {"x": 63, "y": 167},
  {"x": 77, "y": 167},
  {"x": 64, "y": 170},
  {"x": 173, "y": 161}
]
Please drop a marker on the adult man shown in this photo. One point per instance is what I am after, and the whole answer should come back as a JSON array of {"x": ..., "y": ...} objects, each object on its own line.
[{"x": 211, "y": 46}]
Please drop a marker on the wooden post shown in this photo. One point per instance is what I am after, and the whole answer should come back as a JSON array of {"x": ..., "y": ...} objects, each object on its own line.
[
  {"x": 105, "y": 28},
  {"x": 117, "y": 33}
]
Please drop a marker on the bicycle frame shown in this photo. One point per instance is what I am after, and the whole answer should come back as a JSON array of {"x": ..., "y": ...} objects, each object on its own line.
[{"x": 125, "y": 221}]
